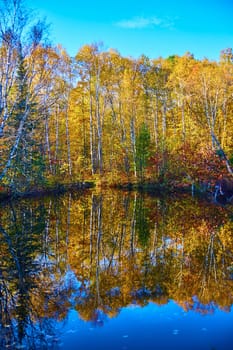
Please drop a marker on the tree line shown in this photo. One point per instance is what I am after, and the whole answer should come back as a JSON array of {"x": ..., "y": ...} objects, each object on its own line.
[{"x": 105, "y": 117}]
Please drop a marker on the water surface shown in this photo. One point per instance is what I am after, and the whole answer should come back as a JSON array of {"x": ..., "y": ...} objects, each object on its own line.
[{"x": 116, "y": 270}]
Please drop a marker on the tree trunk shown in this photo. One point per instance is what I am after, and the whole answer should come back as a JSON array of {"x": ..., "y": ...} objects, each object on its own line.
[
  {"x": 68, "y": 144},
  {"x": 14, "y": 148},
  {"x": 227, "y": 162},
  {"x": 91, "y": 137},
  {"x": 48, "y": 143},
  {"x": 133, "y": 143}
]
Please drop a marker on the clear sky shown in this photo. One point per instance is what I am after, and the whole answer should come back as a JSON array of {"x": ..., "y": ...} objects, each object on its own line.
[{"x": 150, "y": 27}]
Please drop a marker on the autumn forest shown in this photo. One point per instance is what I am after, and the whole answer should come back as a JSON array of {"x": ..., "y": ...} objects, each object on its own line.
[
  {"x": 145, "y": 133},
  {"x": 105, "y": 118}
]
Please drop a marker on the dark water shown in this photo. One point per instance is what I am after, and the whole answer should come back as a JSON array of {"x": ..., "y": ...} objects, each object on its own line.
[{"x": 116, "y": 271}]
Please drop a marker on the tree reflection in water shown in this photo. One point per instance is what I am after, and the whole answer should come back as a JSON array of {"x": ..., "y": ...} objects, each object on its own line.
[{"x": 99, "y": 253}]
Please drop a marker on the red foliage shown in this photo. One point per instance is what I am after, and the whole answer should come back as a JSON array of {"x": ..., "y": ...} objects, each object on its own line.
[{"x": 190, "y": 162}]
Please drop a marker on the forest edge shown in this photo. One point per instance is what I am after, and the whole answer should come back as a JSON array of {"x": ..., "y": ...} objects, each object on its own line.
[{"x": 220, "y": 191}]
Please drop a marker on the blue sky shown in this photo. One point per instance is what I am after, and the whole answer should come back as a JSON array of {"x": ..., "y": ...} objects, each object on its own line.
[{"x": 154, "y": 28}]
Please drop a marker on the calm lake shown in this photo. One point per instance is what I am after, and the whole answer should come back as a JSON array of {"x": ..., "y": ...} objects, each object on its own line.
[{"x": 116, "y": 271}]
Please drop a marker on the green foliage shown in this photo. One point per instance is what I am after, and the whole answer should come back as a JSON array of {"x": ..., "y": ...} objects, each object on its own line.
[
  {"x": 28, "y": 166},
  {"x": 143, "y": 151}
]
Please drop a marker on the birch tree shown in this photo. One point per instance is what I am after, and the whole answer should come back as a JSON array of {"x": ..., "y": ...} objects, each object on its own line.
[
  {"x": 28, "y": 68},
  {"x": 89, "y": 65},
  {"x": 15, "y": 99}
]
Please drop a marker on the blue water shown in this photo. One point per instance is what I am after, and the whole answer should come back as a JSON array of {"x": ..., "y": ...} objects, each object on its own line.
[{"x": 165, "y": 327}]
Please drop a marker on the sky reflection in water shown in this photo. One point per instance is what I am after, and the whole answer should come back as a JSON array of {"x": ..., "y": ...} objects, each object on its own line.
[{"x": 151, "y": 327}]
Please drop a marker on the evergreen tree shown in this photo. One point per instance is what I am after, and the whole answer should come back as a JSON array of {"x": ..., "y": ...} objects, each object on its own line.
[
  {"x": 27, "y": 165},
  {"x": 142, "y": 151}
]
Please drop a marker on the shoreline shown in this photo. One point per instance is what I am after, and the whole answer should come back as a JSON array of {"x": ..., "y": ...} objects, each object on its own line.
[
  {"x": 45, "y": 191},
  {"x": 150, "y": 188}
]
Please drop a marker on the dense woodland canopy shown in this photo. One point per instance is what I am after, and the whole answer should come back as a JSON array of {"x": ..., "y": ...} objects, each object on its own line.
[{"x": 103, "y": 117}]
